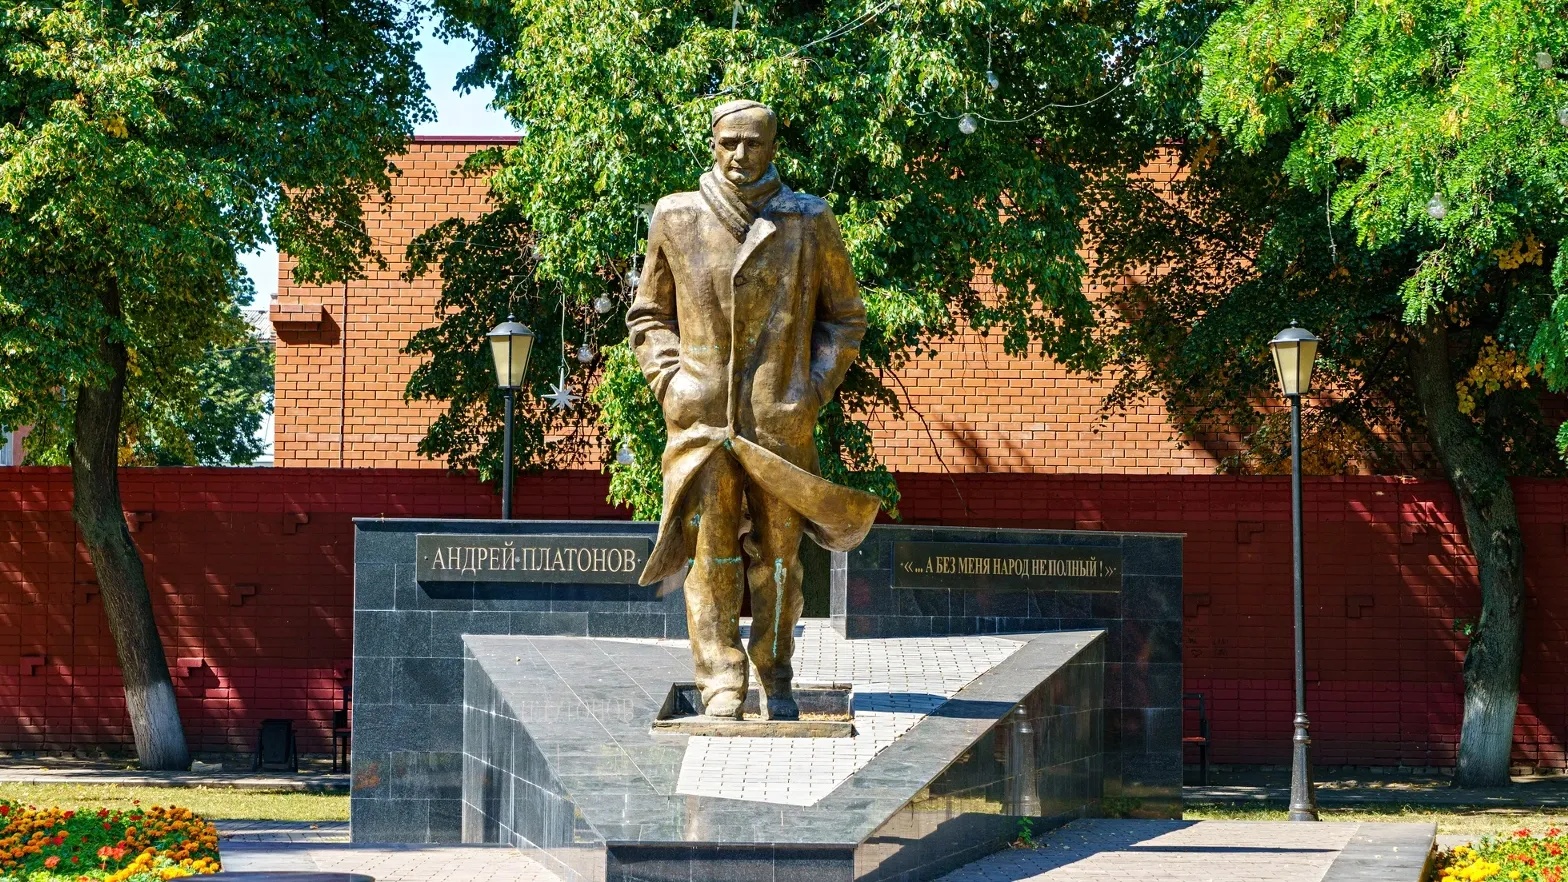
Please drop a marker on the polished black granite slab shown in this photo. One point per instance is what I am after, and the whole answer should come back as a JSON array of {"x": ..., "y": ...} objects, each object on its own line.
[
  {"x": 408, "y": 659},
  {"x": 1141, "y": 618},
  {"x": 559, "y": 759}
]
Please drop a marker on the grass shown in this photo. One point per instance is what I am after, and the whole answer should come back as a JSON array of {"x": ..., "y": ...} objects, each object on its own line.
[
  {"x": 1458, "y": 821},
  {"x": 212, "y": 803}
]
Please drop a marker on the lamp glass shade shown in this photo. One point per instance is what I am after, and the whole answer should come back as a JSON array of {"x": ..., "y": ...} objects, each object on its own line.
[
  {"x": 510, "y": 344},
  {"x": 1295, "y": 351}
]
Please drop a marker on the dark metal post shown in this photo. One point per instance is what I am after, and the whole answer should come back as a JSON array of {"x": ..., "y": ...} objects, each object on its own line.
[
  {"x": 1303, "y": 796},
  {"x": 506, "y": 459}
]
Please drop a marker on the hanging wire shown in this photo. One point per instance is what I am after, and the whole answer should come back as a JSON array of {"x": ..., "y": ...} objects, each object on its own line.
[{"x": 918, "y": 110}]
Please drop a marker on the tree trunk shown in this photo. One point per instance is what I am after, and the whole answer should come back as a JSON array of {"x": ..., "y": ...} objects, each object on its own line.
[
  {"x": 149, "y": 693},
  {"x": 1480, "y": 481}
]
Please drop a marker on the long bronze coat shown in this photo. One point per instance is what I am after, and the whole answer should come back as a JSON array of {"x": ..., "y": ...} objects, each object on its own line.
[{"x": 742, "y": 342}]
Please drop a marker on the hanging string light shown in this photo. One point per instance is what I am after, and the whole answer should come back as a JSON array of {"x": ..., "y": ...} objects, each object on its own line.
[
  {"x": 992, "y": 81},
  {"x": 585, "y": 353},
  {"x": 1544, "y": 60},
  {"x": 1562, "y": 116},
  {"x": 626, "y": 456},
  {"x": 968, "y": 123},
  {"x": 1437, "y": 207},
  {"x": 603, "y": 304}
]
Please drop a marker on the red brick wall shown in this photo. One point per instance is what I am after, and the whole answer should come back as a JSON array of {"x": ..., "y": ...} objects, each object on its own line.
[
  {"x": 971, "y": 406},
  {"x": 340, "y": 372},
  {"x": 1386, "y": 578},
  {"x": 250, "y": 572}
]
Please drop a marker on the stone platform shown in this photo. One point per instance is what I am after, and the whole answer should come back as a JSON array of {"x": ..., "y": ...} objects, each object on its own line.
[{"x": 957, "y": 738}]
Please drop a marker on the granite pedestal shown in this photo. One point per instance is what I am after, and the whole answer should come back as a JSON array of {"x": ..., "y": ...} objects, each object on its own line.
[
  {"x": 560, "y": 759},
  {"x": 408, "y": 655},
  {"x": 1040, "y": 583}
]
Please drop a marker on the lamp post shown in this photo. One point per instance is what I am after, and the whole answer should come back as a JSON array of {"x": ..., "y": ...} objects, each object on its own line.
[
  {"x": 510, "y": 344},
  {"x": 1295, "y": 350}
]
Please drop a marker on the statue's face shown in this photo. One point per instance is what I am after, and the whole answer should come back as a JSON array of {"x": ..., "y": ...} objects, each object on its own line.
[{"x": 744, "y": 144}]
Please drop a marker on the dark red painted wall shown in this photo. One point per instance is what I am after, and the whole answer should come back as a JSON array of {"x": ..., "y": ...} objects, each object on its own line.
[{"x": 251, "y": 576}]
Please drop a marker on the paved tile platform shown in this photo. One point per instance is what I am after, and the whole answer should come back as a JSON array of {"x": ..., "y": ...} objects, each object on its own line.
[
  {"x": 236, "y": 774},
  {"x": 322, "y": 846},
  {"x": 897, "y": 683},
  {"x": 388, "y": 863},
  {"x": 1222, "y": 851},
  {"x": 282, "y": 831},
  {"x": 1083, "y": 851}
]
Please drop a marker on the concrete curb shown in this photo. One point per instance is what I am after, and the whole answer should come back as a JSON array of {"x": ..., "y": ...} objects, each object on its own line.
[{"x": 291, "y": 783}]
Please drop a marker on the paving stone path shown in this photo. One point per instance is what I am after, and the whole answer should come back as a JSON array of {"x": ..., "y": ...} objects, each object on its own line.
[
  {"x": 1211, "y": 851},
  {"x": 323, "y": 846},
  {"x": 1084, "y": 851}
]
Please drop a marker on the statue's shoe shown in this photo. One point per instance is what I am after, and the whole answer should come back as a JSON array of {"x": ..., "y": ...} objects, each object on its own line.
[
  {"x": 724, "y": 705},
  {"x": 783, "y": 708}
]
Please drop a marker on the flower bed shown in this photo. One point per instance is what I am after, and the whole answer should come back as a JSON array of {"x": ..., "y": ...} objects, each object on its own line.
[
  {"x": 1521, "y": 856},
  {"x": 139, "y": 845}
]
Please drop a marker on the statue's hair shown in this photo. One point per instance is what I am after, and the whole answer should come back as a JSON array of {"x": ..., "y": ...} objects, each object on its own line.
[{"x": 732, "y": 107}]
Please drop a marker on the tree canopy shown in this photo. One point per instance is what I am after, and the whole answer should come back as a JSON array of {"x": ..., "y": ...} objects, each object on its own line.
[
  {"x": 142, "y": 145},
  {"x": 1391, "y": 175},
  {"x": 872, "y": 100}
]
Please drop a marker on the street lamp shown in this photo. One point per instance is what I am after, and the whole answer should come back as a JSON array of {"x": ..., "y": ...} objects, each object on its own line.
[
  {"x": 510, "y": 343},
  {"x": 1295, "y": 350}
]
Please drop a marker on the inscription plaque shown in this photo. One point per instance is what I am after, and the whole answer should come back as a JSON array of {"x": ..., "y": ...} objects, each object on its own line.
[
  {"x": 594, "y": 560},
  {"x": 1000, "y": 567}
]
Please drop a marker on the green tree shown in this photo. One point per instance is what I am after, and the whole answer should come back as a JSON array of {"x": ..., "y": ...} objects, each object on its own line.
[
  {"x": 222, "y": 398},
  {"x": 141, "y": 146},
  {"x": 614, "y": 97},
  {"x": 1391, "y": 175}
]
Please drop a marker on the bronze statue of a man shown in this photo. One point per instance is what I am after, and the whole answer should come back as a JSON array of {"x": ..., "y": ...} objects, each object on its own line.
[{"x": 746, "y": 320}]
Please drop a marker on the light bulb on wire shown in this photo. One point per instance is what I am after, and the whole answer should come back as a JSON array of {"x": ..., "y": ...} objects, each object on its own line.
[
  {"x": 626, "y": 456},
  {"x": 992, "y": 81},
  {"x": 1562, "y": 116},
  {"x": 967, "y": 124},
  {"x": 1437, "y": 207},
  {"x": 585, "y": 353},
  {"x": 603, "y": 304},
  {"x": 632, "y": 279},
  {"x": 1544, "y": 60}
]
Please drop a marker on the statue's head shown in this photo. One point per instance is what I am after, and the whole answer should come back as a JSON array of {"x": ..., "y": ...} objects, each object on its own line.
[{"x": 744, "y": 139}]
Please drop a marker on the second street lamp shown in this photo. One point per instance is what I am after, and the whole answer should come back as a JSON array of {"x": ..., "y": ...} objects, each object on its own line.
[
  {"x": 510, "y": 345},
  {"x": 1295, "y": 350}
]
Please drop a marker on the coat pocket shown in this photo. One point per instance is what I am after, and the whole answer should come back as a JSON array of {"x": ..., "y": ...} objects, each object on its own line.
[{"x": 682, "y": 399}]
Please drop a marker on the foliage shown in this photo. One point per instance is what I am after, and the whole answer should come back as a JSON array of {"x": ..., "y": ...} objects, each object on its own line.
[
  {"x": 1431, "y": 136},
  {"x": 488, "y": 273},
  {"x": 138, "y": 845},
  {"x": 1025, "y": 834},
  {"x": 141, "y": 147},
  {"x": 614, "y": 97},
  {"x": 1516, "y": 856},
  {"x": 209, "y": 413}
]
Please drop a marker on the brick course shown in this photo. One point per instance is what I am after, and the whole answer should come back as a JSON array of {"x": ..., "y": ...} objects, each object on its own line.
[
  {"x": 970, "y": 406},
  {"x": 1388, "y": 573}
]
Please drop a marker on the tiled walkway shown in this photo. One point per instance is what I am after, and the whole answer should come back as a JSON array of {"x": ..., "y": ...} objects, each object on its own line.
[
  {"x": 1084, "y": 851},
  {"x": 1211, "y": 851},
  {"x": 388, "y": 863},
  {"x": 896, "y": 684},
  {"x": 323, "y": 846}
]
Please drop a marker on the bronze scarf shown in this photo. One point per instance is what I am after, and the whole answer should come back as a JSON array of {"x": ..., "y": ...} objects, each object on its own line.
[{"x": 737, "y": 206}]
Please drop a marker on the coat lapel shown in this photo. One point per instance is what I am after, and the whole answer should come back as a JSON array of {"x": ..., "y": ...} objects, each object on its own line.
[{"x": 761, "y": 230}]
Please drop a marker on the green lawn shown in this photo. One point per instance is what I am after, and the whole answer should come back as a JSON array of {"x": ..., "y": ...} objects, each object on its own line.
[
  {"x": 1475, "y": 822},
  {"x": 212, "y": 803}
]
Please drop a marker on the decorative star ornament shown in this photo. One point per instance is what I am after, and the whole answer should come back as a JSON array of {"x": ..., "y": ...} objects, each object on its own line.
[{"x": 562, "y": 397}]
